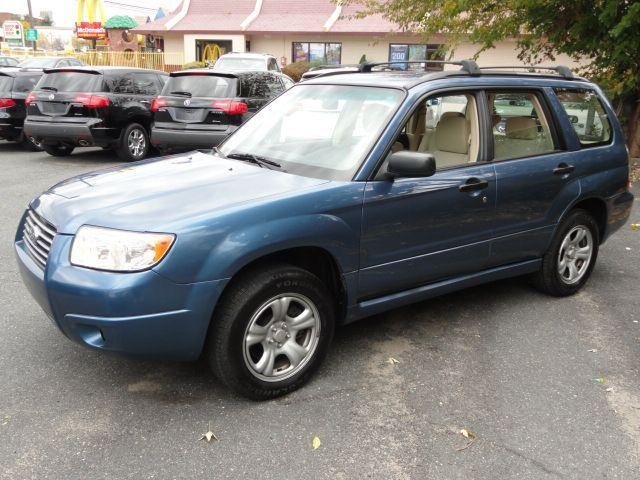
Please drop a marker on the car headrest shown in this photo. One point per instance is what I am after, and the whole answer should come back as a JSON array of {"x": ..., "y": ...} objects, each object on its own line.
[
  {"x": 521, "y": 128},
  {"x": 452, "y": 134}
]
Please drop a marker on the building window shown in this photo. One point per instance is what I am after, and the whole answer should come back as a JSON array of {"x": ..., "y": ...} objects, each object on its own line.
[
  {"x": 316, "y": 52},
  {"x": 399, "y": 52}
]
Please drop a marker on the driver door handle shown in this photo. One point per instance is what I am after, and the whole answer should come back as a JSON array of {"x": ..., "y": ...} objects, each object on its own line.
[
  {"x": 473, "y": 184},
  {"x": 563, "y": 169}
]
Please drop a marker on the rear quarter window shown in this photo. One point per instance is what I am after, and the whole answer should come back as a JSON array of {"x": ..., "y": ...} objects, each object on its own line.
[
  {"x": 71, "y": 82},
  {"x": 25, "y": 83},
  {"x": 6, "y": 82},
  {"x": 260, "y": 85},
  {"x": 588, "y": 117},
  {"x": 202, "y": 86}
]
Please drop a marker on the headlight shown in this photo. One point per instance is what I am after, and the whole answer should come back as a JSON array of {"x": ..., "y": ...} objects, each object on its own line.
[{"x": 118, "y": 250}]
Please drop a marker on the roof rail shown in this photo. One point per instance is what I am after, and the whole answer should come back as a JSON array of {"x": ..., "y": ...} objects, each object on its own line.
[
  {"x": 468, "y": 66},
  {"x": 559, "y": 69},
  {"x": 329, "y": 66}
]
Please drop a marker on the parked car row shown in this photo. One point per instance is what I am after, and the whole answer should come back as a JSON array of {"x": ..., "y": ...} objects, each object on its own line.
[{"x": 131, "y": 110}]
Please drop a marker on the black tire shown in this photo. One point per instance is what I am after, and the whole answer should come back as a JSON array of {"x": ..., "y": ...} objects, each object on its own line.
[
  {"x": 548, "y": 279},
  {"x": 131, "y": 154},
  {"x": 30, "y": 144},
  {"x": 225, "y": 343},
  {"x": 58, "y": 150}
]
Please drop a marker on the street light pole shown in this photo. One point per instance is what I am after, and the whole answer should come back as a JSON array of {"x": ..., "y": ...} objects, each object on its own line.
[{"x": 33, "y": 42}]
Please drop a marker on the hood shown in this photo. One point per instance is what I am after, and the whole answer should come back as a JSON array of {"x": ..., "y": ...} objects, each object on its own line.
[{"x": 161, "y": 194}]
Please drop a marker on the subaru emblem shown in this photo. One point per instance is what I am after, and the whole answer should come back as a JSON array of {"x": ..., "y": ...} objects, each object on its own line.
[
  {"x": 187, "y": 102},
  {"x": 52, "y": 96},
  {"x": 35, "y": 233}
]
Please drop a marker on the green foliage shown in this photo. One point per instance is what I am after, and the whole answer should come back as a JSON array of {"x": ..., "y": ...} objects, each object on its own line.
[
  {"x": 363, "y": 59},
  {"x": 605, "y": 33},
  {"x": 190, "y": 65},
  {"x": 121, "y": 21}
]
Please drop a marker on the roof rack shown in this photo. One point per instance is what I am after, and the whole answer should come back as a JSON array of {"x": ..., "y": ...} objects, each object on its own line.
[
  {"x": 329, "y": 66},
  {"x": 559, "y": 69},
  {"x": 468, "y": 66}
]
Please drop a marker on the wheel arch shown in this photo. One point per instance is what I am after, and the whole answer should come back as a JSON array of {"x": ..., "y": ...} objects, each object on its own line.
[
  {"x": 597, "y": 208},
  {"x": 314, "y": 259}
]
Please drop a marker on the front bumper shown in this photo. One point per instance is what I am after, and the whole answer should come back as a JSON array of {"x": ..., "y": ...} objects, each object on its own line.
[
  {"x": 168, "y": 138},
  {"x": 139, "y": 314},
  {"x": 70, "y": 131}
]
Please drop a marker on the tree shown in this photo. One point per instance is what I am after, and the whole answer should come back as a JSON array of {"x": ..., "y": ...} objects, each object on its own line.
[{"x": 603, "y": 34}]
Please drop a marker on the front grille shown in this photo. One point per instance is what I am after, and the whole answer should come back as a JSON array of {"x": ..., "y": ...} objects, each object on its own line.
[{"x": 38, "y": 236}]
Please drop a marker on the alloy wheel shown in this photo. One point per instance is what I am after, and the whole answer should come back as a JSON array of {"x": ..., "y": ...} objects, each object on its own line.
[
  {"x": 575, "y": 254},
  {"x": 281, "y": 337},
  {"x": 136, "y": 143}
]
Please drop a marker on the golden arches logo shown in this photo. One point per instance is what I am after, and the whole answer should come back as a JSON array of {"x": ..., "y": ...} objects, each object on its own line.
[
  {"x": 210, "y": 52},
  {"x": 89, "y": 9}
]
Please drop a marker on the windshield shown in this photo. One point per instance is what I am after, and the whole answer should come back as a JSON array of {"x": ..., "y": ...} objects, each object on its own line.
[
  {"x": 239, "y": 63},
  {"x": 71, "y": 82},
  {"x": 202, "y": 86},
  {"x": 321, "y": 131},
  {"x": 39, "y": 63}
]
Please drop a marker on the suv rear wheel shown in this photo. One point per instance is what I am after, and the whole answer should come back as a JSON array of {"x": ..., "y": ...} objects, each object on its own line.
[
  {"x": 58, "y": 150},
  {"x": 271, "y": 331},
  {"x": 134, "y": 143},
  {"x": 568, "y": 263}
]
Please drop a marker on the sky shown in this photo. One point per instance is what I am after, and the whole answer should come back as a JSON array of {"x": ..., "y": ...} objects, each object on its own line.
[{"x": 64, "y": 11}]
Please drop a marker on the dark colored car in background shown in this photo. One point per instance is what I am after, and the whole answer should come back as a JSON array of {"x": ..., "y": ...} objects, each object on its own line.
[
  {"x": 40, "y": 63},
  {"x": 15, "y": 85},
  {"x": 107, "y": 107},
  {"x": 8, "y": 62},
  {"x": 200, "y": 108}
]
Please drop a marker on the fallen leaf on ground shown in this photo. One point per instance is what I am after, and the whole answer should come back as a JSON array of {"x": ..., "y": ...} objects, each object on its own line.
[
  {"x": 315, "y": 443},
  {"x": 209, "y": 436},
  {"x": 610, "y": 389},
  {"x": 593, "y": 350},
  {"x": 467, "y": 433},
  {"x": 627, "y": 249},
  {"x": 393, "y": 361},
  {"x": 601, "y": 379},
  {"x": 635, "y": 226}
]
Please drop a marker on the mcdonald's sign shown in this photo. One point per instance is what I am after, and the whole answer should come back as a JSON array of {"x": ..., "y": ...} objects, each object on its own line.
[{"x": 90, "y": 19}]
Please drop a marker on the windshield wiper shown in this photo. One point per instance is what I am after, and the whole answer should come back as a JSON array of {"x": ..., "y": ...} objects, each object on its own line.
[
  {"x": 258, "y": 160},
  {"x": 181, "y": 92},
  {"x": 53, "y": 89}
]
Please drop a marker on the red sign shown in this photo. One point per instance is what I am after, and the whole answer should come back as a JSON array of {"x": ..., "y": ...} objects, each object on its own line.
[{"x": 90, "y": 30}]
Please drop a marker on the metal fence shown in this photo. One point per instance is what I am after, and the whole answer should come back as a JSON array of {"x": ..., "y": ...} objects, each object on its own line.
[{"x": 168, "y": 62}]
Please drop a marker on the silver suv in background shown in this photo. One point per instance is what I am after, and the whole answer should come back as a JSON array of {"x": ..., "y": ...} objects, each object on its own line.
[{"x": 241, "y": 62}]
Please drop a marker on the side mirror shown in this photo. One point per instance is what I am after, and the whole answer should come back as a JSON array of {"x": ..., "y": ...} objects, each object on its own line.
[
  {"x": 411, "y": 164},
  {"x": 573, "y": 118}
]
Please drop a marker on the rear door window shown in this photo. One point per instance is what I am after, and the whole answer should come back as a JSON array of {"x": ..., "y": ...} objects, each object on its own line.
[
  {"x": 71, "y": 82},
  {"x": 261, "y": 85},
  {"x": 587, "y": 115},
  {"x": 520, "y": 127},
  {"x": 202, "y": 86},
  {"x": 145, "y": 84},
  {"x": 122, "y": 84}
]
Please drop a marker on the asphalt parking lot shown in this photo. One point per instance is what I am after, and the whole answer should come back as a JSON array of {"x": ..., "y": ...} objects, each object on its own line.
[{"x": 550, "y": 387}]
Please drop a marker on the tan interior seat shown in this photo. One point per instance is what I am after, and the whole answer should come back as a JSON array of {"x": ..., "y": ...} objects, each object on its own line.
[
  {"x": 416, "y": 127},
  {"x": 451, "y": 141},
  {"x": 428, "y": 143},
  {"x": 521, "y": 139}
]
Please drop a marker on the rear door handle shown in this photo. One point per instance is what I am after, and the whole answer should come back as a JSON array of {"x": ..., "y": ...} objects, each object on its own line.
[
  {"x": 563, "y": 169},
  {"x": 473, "y": 184}
]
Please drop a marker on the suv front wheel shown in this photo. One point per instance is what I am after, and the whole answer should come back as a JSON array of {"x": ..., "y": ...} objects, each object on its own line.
[
  {"x": 134, "y": 143},
  {"x": 568, "y": 263},
  {"x": 271, "y": 331}
]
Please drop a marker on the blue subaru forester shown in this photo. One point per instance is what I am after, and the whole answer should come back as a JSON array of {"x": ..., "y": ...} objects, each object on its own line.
[{"x": 348, "y": 195}]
